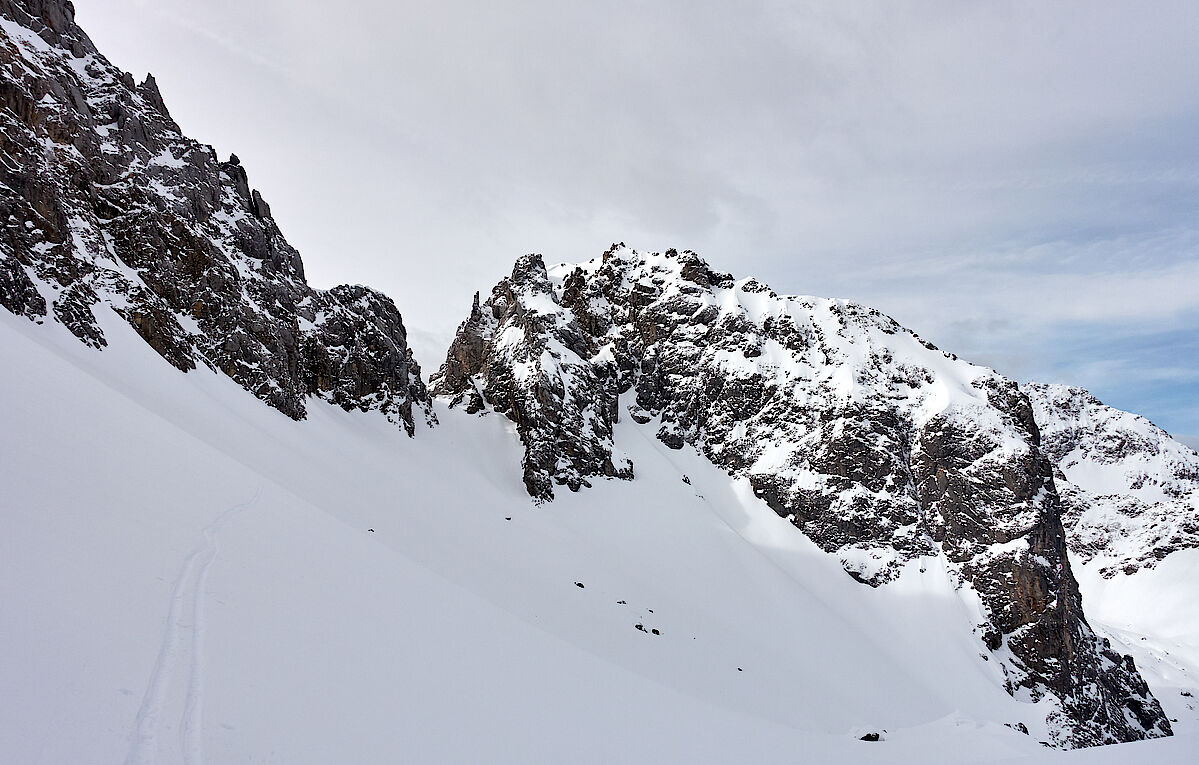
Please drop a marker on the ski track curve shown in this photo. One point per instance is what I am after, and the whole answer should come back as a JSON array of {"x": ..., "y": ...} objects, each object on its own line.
[{"x": 181, "y": 641}]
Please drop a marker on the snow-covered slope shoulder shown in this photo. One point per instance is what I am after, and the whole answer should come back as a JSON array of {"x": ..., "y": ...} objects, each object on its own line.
[
  {"x": 1130, "y": 492},
  {"x": 107, "y": 205},
  {"x": 881, "y": 448}
]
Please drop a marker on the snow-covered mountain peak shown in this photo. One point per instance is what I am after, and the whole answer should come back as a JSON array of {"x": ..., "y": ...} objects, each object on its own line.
[
  {"x": 1130, "y": 492},
  {"x": 852, "y": 336},
  {"x": 879, "y": 447}
]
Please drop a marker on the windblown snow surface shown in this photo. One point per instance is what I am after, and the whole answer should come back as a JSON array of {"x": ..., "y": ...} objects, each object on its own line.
[{"x": 190, "y": 576}]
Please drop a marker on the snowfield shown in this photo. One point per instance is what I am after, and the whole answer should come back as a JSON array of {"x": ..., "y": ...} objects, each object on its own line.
[{"x": 189, "y": 576}]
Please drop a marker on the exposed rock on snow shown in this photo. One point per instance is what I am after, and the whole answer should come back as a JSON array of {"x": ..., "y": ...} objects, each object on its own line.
[
  {"x": 107, "y": 204},
  {"x": 524, "y": 356},
  {"x": 1130, "y": 492},
  {"x": 880, "y": 447}
]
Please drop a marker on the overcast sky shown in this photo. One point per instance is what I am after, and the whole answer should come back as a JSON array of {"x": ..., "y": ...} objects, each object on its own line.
[{"x": 1018, "y": 182}]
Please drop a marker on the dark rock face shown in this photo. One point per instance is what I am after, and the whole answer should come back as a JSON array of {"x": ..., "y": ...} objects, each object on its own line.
[
  {"x": 519, "y": 354},
  {"x": 879, "y": 447},
  {"x": 1130, "y": 492},
  {"x": 108, "y": 206}
]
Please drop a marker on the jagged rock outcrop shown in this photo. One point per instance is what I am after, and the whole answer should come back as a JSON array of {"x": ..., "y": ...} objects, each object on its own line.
[
  {"x": 1130, "y": 492},
  {"x": 520, "y": 354},
  {"x": 878, "y": 446},
  {"x": 108, "y": 206}
]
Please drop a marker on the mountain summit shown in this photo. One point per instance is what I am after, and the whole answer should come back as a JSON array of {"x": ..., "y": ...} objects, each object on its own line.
[
  {"x": 882, "y": 449},
  {"x": 1130, "y": 492}
]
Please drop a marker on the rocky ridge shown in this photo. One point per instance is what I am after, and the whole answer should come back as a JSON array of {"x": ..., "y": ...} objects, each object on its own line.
[
  {"x": 1130, "y": 492},
  {"x": 879, "y": 447},
  {"x": 109, "y": 206}
]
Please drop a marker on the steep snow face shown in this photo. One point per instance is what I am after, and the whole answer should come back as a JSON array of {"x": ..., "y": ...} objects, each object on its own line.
[
  {"x": 188, "y": 576},
  {"x": 881, "y": 448},
  {"x": 1130, "y": 492},
  {"x": 1152, "y": 614},
  {"x": 108, "y": 206}
]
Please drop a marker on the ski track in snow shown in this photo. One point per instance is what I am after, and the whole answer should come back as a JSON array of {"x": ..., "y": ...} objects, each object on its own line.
[{"x": 181, "y": 641}]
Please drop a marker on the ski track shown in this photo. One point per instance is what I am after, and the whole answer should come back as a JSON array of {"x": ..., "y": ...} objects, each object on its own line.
[{"x": 180, "y": 641}]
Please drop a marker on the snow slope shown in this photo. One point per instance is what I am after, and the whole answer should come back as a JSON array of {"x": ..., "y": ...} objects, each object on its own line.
[
  {"x": 189, "y": 576},
  {"x": 1152, "y": 614}
]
